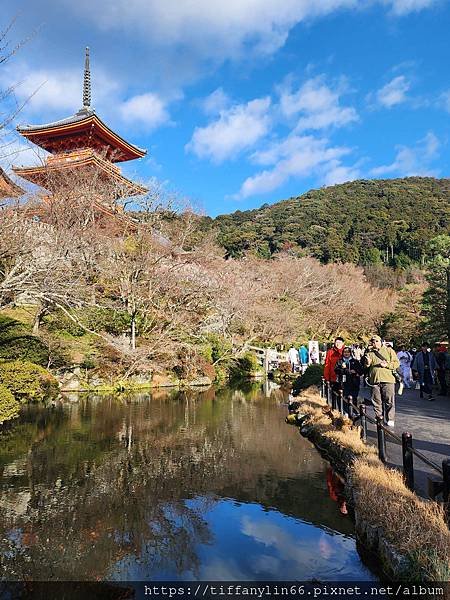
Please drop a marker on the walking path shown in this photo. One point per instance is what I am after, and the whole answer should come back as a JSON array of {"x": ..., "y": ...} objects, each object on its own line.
[{"x": 429, "y": 424}]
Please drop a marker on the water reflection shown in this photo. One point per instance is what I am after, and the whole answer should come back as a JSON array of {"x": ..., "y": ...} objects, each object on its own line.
[{"x": 209, "y": 485}]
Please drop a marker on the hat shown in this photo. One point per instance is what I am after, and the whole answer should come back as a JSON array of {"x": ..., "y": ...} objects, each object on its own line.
[{"x": 375, "y": 338}]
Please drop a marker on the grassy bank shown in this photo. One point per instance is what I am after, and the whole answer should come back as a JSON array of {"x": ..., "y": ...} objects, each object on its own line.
[{"x": 409, "y": 535}]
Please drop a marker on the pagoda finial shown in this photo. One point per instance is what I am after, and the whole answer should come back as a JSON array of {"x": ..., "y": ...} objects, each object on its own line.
[{"x": 87, "y": 83}]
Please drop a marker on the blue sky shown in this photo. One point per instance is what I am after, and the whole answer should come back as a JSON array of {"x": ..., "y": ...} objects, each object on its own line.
[{"x": 245, "y": 102}]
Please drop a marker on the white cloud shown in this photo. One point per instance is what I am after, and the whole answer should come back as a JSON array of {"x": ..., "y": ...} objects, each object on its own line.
[
  {"x": 338, "y": 173},
  {"x": 19, "y": 152},
  {"x": 403, "y": 7},
  {"x": 54, "y": 94},
  {"x": 54, "y": 91},
  {"x": 216, "y": 102},
  {"x": 214, "y": 30},
  {"x": 237, "y": 128},
  {"x": 415, "y": 160},
  {"x": 296, "y": 156},
  {"x": 444, "y": 100},
  {"x": 394, "y": 92},
  {"x": 146, "y": 109},
  {"x": 316, "y": 105}
]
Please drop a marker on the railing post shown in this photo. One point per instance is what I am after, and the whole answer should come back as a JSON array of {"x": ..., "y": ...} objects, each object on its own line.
[
  {"x": 381, "y": 441},
  {"x": 341, "y": 401},
  {"x": 323, "y": 388},
  {"x": 362, "y": 414},
  {"x": 446, "y": 485},
  {"x": 408, "y": 460},
  {"x": 446, "y": 473},
  {"x": 329, "y": 395}
]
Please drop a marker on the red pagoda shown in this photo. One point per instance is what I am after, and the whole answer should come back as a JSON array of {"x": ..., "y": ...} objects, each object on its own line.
[
  {"x": 82, "y": 145},
  {"x": 8, "y": 189}
]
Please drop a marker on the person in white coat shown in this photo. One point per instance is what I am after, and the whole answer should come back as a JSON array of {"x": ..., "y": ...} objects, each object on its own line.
[
  {"x": 293, "y": 358},
  {"x": 405, "y": 359}
]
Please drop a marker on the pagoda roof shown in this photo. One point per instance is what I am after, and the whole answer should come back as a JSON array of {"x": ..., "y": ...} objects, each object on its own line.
[
  {"x": 9, "y": 189},
  {"x": 51, "y": 175},
  {"x": 84, "y": 129}
]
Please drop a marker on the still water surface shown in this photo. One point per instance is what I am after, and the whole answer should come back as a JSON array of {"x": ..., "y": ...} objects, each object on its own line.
[{"x": 201, "y": 485}]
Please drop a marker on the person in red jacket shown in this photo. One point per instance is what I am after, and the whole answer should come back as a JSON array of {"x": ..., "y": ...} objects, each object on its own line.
[{"x": 333, "y": 355}]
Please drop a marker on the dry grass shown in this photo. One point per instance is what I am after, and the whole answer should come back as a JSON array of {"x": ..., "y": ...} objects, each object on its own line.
[
  {"x": 333, "y": 425},
  {"x": 414, "y": 527}
]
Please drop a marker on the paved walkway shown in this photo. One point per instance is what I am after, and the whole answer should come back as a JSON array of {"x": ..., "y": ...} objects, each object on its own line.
[{"x": 429, "y": 424}]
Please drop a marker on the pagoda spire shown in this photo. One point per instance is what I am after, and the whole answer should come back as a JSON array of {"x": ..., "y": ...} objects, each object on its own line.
[{"x": 87, "y": 83}]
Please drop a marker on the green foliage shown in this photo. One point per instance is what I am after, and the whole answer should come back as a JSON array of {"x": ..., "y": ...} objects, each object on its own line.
[
  {"x": 312, "y": 376},
  {"x": 27, "y": 381},
  {"x": 17, "y": 343},
  {"x": 220, "y": 347},
  {"x": 436, "y": 299},
  {"x": 58, "y": 322},
  {"x": 405, "y": 325},
  {"x": 245, "y": 366},
  {"x": 364, "y": 222},
  {"x": 9, "y": 407},
  {"x": 88, "y": 362},
  {"x": 111, "y": 321}
]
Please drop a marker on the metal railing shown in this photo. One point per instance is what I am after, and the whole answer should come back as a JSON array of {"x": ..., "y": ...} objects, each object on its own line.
[{"x": 334, "y": 397}]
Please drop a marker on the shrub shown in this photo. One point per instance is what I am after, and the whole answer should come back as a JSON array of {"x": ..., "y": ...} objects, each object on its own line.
[
  {"x": 245, "y": 365},
  {"x": 27, "y": 381},
  {"x": 220, "y": 347},
  {"x": 58, "y": 322},
  {"x": 17, "y": 343},
  {"x": 112, "y": 321},
  {"x": 312, "y": 376},
  {"x": 9, "y": 407},
  {"x": 284, "y": 368}
]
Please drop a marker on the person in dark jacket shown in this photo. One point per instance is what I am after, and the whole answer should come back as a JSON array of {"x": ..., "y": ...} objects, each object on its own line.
[
  {"x": 425, "y": 365},
  {"x": 348, "y": 372},
  {"x": 442, "y": 359}
]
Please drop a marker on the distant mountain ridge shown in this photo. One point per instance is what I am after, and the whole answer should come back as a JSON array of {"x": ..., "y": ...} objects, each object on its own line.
[{"x": 364, "y": 222}]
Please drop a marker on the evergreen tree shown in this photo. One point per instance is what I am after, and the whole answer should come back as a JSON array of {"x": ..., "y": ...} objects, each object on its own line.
[{"x": 436, "y": 300}]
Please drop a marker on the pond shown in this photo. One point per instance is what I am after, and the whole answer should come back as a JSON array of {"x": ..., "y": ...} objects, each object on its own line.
[{"x": 208, "y": 485}]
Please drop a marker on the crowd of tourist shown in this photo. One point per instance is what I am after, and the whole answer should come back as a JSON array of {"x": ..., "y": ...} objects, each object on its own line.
[{"x": 379, "y": 367}]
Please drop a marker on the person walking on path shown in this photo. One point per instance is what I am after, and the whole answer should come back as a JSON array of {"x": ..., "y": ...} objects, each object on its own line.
[
  {"x": 442, "y": 358},
  {"x": 405, "y": 359},
  {"x": 349, "y": 370},
  {"x": 333, "y": 355},
  {"x": 425, "y": 365},
  {"x": 381, "y": 361},
  {"x": 304, "y": 357},
  {"x": 293, "y": 358}
]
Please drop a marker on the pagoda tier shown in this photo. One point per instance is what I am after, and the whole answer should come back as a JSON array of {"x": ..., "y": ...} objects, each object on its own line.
[
  {"x": 62, "y": 170},
  {"x": 8, "y": 189},
  {"x": 83, "y": 130}
]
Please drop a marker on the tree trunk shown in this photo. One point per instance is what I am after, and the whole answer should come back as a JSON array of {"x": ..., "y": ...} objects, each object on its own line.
[
  {"x": 133, "y": 332},
  {"x": 38, "y": 319}
]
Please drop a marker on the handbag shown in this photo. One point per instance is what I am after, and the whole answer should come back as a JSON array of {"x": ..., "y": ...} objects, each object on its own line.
[{"x": 395, "y": 373}]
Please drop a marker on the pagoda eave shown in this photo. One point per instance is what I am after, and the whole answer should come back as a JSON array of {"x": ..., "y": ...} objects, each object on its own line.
[
  {"x": 9, "y": 189},
  {"x": 86, "y": 130},
  {"x": 54, "y": 176}
]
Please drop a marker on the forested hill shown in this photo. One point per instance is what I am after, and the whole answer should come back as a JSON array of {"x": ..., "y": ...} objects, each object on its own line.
[{"x": 362, "y": 221}]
